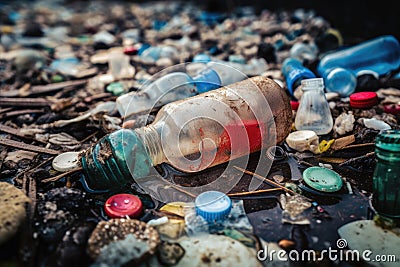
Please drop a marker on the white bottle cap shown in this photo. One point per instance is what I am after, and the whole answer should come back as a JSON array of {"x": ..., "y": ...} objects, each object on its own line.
[
  {"x": 66, "y": 161},
  {"x": 303, "y": 140}
]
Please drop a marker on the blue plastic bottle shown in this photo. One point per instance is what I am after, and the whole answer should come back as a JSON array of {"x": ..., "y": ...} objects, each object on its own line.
[
  {"x": 339, "y": 69},
  {"x": 295, "y": 72}
]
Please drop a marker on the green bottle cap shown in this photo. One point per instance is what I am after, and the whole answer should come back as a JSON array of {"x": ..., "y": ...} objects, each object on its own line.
[
  {"x": 115, "y": 160},
  {"x": 388, "y": 140},
  {"x": 322, "y": 179}
]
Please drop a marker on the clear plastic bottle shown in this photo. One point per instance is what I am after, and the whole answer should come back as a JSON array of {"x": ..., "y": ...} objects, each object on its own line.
[
  {"x": 194, "y": 134},
  {"x": 314, "y": 113},
  {"x": 339, "y": 68}
]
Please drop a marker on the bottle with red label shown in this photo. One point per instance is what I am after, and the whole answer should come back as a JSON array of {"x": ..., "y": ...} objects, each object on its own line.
[{"x": 194, "y": 134}]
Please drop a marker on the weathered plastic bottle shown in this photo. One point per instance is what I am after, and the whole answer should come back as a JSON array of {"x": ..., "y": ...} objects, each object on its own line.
[
  {"x": 339, "y": 69},
  {"x": 193, "y": 134},
  {"x": 386, "y": 182},
  {"x": 294, "y": 73},
  {"x": 176, "y": 86},
  {"x": 314, "y": 113}
]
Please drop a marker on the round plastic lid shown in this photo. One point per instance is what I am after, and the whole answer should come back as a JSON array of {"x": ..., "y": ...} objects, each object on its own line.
[
  {"x": 66, "y": 161},
  {"x": 130, "y": 50},
  {"x": 363, "y": 99},
  {"x": 392, "y": 109},
  {"x": 322, "y": 179},
  {"x": 213, "y": 205},
  {"x": 123, "y": 205},
  {"x": 294, "y": 104}
]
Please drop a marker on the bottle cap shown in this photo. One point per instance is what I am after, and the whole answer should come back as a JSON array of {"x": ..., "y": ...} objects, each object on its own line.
[
  {"x": 322, "y": 179},
  {"x": 363, "y": 99},
  {"x": 130, "y": 50},
  {"x": 213, "y": 205},
  {"x": 388, "y": 140},
  {"x": 66, "y": 161},
  {"x": 392, "y": 109},
  {"x": 303, "y": 140},
  {"x": 207, "y": 80},
  {"x": 294, "y": 104},
  {"x": 122, "y": 205}
]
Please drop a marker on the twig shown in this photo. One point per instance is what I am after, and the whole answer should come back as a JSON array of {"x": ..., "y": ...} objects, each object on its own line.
[
  {"x": 23, "y": 146},
  {"x": 19, "y": 112},
  {"x": 25, "y": 102},
  {"x": 182, "y": 190},
  {"x": 254, "y": 192},
  {"x": 58, "y": 177},
  {"x": 265, "y": 180},
  {"x": 353, "y": 160}
]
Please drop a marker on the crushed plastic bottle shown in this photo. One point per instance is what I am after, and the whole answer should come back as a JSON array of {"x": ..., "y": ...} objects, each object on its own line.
[
  {"x": 193, "y": 134},
  {"x": 339, "y": 68}
]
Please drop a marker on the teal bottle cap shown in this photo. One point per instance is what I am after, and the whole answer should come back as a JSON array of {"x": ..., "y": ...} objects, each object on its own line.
[
  {"x": 213, "y": 205},
  {"x": 322, "y": 179},
  {"x": 388, "y": 140}
]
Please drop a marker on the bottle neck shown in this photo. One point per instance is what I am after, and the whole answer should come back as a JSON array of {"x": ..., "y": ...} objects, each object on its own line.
[
  {"x": 387, "y": 156},
  {"x": 152, "y": 142}
]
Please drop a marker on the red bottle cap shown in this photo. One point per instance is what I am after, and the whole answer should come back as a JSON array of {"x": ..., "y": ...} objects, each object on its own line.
[
  {"x": 392, "y": 109},
  {"x": 294, "y": 104},
  {"x": 363, "y": 99},
  {"x": 122, "y": 205},
  {"x": 130, "y": 50}
]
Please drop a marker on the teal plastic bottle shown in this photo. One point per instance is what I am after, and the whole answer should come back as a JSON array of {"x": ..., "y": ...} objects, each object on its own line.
[{"x": 339, "y": 68}]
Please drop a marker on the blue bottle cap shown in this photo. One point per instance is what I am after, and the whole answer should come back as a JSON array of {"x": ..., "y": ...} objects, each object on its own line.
[
  {"x": 213, "y": 205},
  {"x": 207, "y": 80},
  {"x": 201, "y": 58}
]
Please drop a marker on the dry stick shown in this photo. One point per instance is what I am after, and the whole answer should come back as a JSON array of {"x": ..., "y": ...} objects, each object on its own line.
[
  {"x": 19, "y": 112},
  {"x": 16, "y": 132},
  {"x": 58, "y": 177},
  {"x": 183, "y": 191},
  {"x": 254, "y": 192},
  {"x": 265, "y": 180},
  {"x": 25, "y": 102},
  {"x": 23, "y": 146},
  {"x": 88, "y": 137}
]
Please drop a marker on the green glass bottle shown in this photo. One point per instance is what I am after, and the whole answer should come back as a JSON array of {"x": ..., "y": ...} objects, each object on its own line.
[{"x": 386, "y": 179}]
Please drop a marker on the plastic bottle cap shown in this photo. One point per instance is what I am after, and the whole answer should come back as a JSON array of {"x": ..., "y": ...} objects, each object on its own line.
[
  {"x": 130, "y": 50},
  {"x": 302, "y": 140},
  {"x": 122, "y": 205},
  {"x": 322, "y": 179},
  {"x": 294, "y": 104},
  {"x": 213, "y": 205},
  {"x": 66, "y": 161},
  {"x": 392, "y": 109},
  {"x": 363, "y": 99}
]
